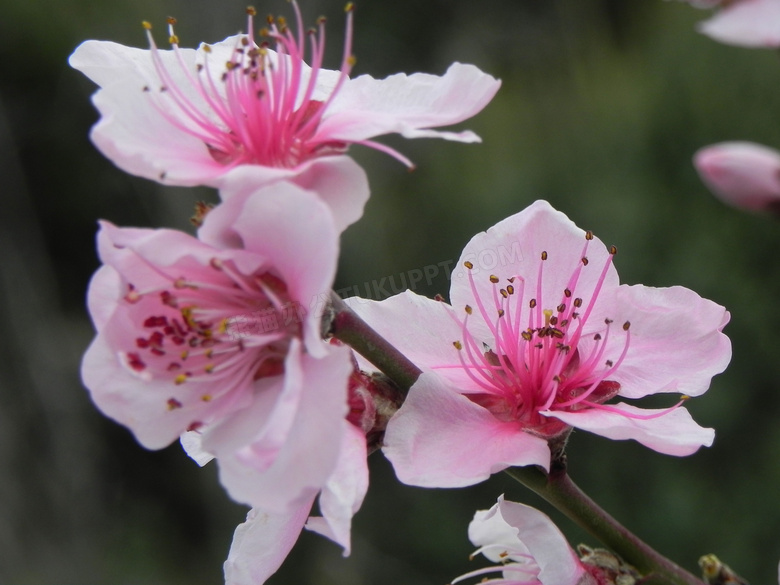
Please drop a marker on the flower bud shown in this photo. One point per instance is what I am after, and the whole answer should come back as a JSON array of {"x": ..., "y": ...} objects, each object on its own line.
[{"x": 742, "y": 174}]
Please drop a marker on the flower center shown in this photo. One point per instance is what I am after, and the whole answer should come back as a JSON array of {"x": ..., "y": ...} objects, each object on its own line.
[
  {"x": 217, "y": 326},
  {"x": 541, "y": 358},
  {"x": 261, "y": 106}
]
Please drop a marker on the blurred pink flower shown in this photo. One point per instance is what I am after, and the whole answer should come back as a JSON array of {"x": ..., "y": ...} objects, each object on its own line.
[
  {"x": 541, "y": 337},
  {"x": 743, "y": 174},
  {"x": 529, "y": 547},
  {"x": 745, "y": 23},
  {"x": 188, "y": 117},
  {"x": 192, "y": 335}
]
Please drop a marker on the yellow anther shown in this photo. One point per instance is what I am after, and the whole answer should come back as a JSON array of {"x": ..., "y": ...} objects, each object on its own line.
[
  {"x": 206, "y": 397},
  {"x": 544, "y": 255},
  {"x": 180, "y": 379},
  {"x": 170, "y": 20},
  {"x": 468, "y": 265},
  {"x": 468, "y": 309},
  {"x": 349, "y": 7},
  {"x": 589, "y": 235},
  {"x": 146, "y": 24},
  {"x": 250, "y": 10},
  {"x": 457, "y": 345},
  {"x": 173, "y": 39}
]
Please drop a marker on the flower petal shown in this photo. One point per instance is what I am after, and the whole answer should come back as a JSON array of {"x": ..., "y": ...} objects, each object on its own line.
[
  {"x": 673, "y": 433},
  {"x": 296, "y": 229},
  {"x": 428, "y": 344},
  {"x": 261, "y": 544},
  {"x": 409, "y": 104},
  {"x": 746, "y": 23},
  {"x": 676, "y": 344},
  {"x": 440, "y": 438},
  {"x": 310, "y": 453},
  {"x": 343, "y": 494}
]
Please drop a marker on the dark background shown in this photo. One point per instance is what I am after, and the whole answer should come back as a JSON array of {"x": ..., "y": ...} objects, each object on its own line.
[{"x": 602, "y": 106}]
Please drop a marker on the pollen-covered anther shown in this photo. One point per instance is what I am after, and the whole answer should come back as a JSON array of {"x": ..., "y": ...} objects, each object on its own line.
[
  {"x": 567, "y": 293},
  {"x": 626, "y": 325},
  {"x": 457, "y": 345},
  {"x": 180, "y": 379},
  {"x": 532, "y": 303},
  {"x": 527, "y": 335},
  {"x": 468, "y": 309},
  {"x": 250, "y": 10},
  {"x": 132, "y": 296},
  {"x": 613, "y": 250},
  {"x": 589, "y": 235},
  {"x": 504, "y": 293},
  {"x": 578, "y": 302},
  {"x": 501, "y": 312},
  {"x": 206, "y": 398},
  {"x": 173, "y": 404},
  {"x": 349, "y": 7},
  {"x": 544, "y": 255},
  {"x": 146, "y": 24},
  {"x": 494, "y": 279},
  {"x": 561, "y": 308},
  {"x": 468, "y": 265},
  {"x": 510, "y": 289}
]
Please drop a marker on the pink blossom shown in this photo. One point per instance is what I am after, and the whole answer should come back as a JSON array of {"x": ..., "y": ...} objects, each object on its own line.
[
  {"x": 530, "y": 548},
  {"x": 745, "y": 23},
  {"x": 540, "y": 338},
  {"x": 239, "y": 111},
  {"x": 191, "y": 335},
  {"x": 742, "y": 174}
]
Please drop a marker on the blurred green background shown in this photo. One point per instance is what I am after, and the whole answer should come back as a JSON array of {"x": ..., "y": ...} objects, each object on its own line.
[{"x": 602, "y": 106}]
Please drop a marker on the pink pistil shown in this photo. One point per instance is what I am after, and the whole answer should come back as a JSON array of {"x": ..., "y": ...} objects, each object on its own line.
[{"x": 261, "y": 109}]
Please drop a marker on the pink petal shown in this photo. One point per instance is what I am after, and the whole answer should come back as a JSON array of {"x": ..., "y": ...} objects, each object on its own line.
[
  {"x": 131, "y": 132},
  {"x": 746, "y": 23},
  {"x": 742, "y": 174},
  {"x": 261, "y": 544},
  {"x": 673, "y": 433},
  {"x": 676, "y": 343},
  {"x": 310, "y": 453},
  {"x": 296, "y": 229},
  {"x": 409, "y": 105},
  {"x": 136, "y": 403},
  {"x": 512, "y": 248},
  {"x": 440, "y": 438},
  {"x": 428, "y": 344},
  {"x": 344, "y": 492}
]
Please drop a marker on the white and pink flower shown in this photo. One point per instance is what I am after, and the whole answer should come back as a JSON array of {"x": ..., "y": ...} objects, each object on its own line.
[
  {"x": 527, "y": 545},
  {"x": 742, "y": 174},
  {"x": 541, "y": 338},
  {"x": 192, "y": 335},
  {"x": 238, "y": 111}
]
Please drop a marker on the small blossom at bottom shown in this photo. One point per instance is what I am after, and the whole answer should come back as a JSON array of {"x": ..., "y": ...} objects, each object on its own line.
[{"x": 527, "y": 545}]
